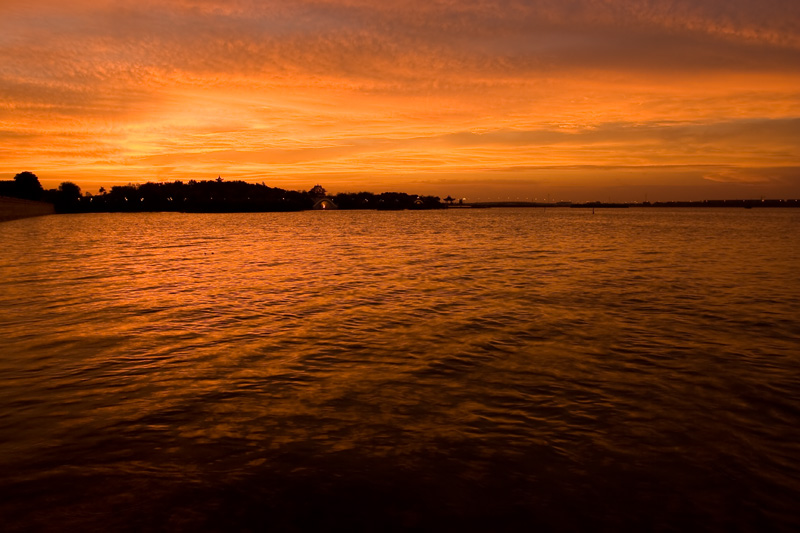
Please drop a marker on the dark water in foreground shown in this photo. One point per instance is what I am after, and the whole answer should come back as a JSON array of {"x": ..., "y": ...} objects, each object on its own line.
[{"x": 459, "y": 370}]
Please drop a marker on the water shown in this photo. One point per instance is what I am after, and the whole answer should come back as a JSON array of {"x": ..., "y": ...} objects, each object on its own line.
[{"x": 486, "y": 370}]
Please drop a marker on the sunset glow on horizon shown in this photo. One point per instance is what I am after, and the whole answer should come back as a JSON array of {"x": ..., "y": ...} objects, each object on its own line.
[{"x": 583, "y": 100}]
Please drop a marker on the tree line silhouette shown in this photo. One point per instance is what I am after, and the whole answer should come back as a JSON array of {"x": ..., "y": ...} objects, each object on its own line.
[{"x": 207, "y": 196}]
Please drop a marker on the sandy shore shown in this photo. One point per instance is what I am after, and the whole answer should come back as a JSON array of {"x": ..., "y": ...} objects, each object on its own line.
[{"x": 13, "y": 208}]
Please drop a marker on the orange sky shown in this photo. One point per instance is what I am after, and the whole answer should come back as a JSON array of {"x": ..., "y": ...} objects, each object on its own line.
[{"x": 560, "y": 99}]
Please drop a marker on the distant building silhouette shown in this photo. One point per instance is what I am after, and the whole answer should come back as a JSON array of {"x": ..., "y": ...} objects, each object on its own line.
[{"x": 322, "y": 202}]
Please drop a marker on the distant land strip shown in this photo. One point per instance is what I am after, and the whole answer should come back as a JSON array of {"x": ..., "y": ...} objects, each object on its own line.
[
  {"x": 25, "y": 197},
  {"x": 747, "y": 204}
]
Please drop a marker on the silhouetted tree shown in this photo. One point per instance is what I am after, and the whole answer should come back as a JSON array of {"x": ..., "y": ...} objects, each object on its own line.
[
  {"x": 449, "y": 199},
  {"x": 67, "y": 198},
  {"x": 27, "y": 186},
  {"x": 385, "y": 201},
  {"x": 361, "y": 200},
  {"x": 222, "y": 196},
  {"x": 317, "y": 191},
  {"x": 69, "y": 190}
]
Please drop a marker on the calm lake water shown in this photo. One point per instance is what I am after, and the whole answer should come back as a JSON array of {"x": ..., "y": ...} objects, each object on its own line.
[{"x": 635, "y": 369}]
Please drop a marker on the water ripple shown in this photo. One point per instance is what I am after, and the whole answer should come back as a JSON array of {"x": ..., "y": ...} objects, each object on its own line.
[{"x": 458, "y": 369}]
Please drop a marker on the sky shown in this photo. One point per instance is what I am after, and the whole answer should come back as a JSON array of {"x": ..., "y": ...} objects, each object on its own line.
[{"x": 578, "y": 100}]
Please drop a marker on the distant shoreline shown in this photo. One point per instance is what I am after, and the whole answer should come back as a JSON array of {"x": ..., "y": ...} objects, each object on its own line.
[
  {"x": 219, "y": 196},
  {"x": 746, "y": 204},
  {"x": 15, "y": 208}
]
